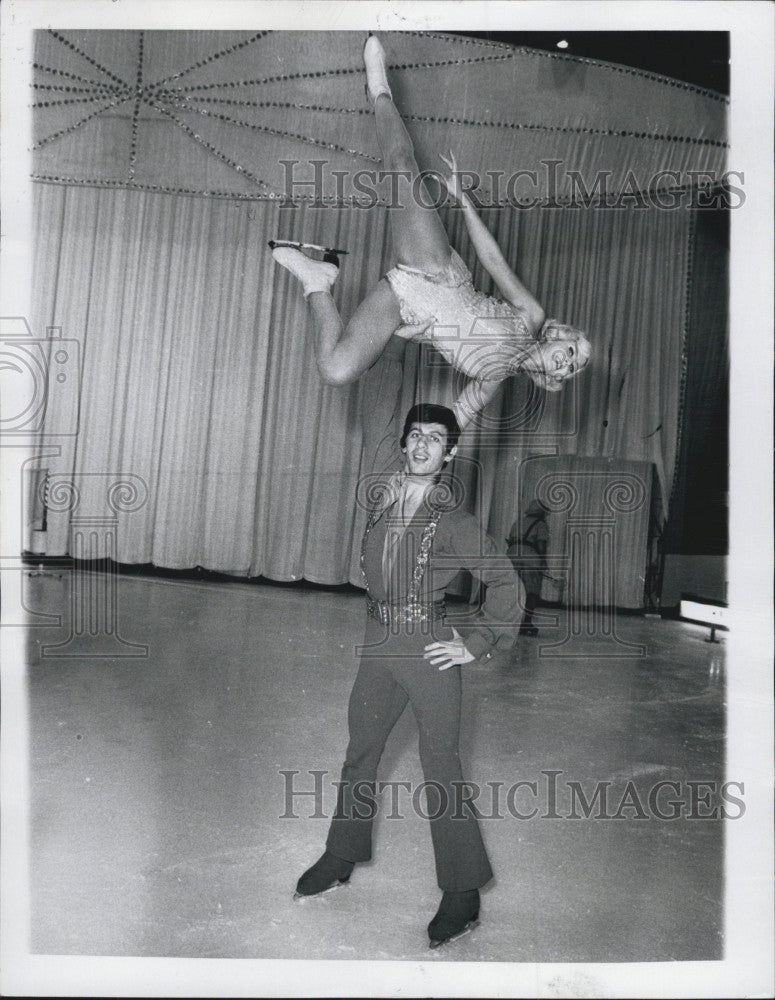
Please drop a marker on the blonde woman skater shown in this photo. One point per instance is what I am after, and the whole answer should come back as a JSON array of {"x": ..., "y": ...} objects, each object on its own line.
[{"x": 429, "y": 294}]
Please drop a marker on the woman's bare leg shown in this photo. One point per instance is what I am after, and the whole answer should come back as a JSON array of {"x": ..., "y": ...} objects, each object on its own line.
[
  {"x": 419, "y": 237},
  {"x": 344, "y": 354},
  {"x": 419, "y": 240}
]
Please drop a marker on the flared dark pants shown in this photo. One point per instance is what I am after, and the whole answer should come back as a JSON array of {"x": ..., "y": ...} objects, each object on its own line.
[{"x": 393, "y": 672}]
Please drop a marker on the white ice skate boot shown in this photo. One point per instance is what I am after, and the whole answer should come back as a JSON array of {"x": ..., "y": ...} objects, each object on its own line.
[
  {"x": 314, "y": 275},
  {"x": 376, "y": 69}
]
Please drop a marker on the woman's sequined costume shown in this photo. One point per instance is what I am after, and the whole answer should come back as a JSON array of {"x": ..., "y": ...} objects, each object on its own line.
[{"x": 481, "y": 336}]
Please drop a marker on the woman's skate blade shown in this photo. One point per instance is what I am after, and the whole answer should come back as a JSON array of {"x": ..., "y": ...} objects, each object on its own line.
[{"x": 304, "y": 246}]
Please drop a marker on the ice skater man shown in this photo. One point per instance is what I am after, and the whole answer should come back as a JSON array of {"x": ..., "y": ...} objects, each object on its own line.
[{"x": 417, "y": 538}]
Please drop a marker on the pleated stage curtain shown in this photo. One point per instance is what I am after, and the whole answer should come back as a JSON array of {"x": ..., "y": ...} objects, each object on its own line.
[
  {"x": 189, "y": 417},
  {"x": 699, "y": 514},
  {"x": 198, "y": 388}
]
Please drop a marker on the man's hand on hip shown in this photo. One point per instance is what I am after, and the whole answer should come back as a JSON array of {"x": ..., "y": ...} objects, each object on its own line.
[{"x": 448, "y": 654}]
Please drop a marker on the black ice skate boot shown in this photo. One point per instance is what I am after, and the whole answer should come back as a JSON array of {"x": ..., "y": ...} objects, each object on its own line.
[
  {"x": 457, "y": 914},
  {"x": 328, "y": 872}
]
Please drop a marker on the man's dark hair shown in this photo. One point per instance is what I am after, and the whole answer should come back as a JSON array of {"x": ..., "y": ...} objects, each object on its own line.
[{"x": 432, "y": 413}]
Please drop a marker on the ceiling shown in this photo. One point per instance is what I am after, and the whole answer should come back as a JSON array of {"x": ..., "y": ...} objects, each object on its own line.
[{"x": 698, "y": 57}]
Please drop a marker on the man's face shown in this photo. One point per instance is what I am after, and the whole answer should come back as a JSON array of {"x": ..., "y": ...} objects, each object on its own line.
[{"x": 426, "y": 449}]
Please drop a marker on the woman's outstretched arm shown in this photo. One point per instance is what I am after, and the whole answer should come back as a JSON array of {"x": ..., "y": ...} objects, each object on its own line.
[
  {"x": 474, "y": 397},
  {"x": 491, "y": 255}
]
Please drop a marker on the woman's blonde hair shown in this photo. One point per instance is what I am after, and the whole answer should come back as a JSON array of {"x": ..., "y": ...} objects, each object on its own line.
[{"x": 554, "y": 330}]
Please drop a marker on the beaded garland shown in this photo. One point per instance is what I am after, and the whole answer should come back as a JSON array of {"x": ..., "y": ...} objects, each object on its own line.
[
  {"x": 444, "y": 120},
  {"x": 273, "y": 196},
  {"x": 136, "y": 110},
  {"x": 341, "y": 71},
  {"x": 209, "y": 146},
  {"x": 92, "y": 62},
  {"x": 253, "y": 126},
  {"x": 212, "y": 58},
  {"x": 114, "y": 102}
]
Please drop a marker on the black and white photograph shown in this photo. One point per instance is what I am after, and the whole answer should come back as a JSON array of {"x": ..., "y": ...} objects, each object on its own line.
[{"x": 387, "y": 552}]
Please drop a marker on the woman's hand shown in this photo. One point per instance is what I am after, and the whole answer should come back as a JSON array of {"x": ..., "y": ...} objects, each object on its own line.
[
  {"x": 453, "y": 181},
  {"x": 413, "y": 330},
  {"x": 448, "y": 654}
]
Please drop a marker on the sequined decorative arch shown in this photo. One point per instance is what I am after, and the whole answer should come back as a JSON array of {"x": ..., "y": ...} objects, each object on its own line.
[{"x": 245, "y": 114}]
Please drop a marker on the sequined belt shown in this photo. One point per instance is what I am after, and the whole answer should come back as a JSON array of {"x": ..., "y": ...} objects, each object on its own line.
[{"x": 404, "y": 614}]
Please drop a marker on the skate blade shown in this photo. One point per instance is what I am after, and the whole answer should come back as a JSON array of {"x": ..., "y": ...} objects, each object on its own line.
[
  {"x": 300, "y": 897},
  {"x": 471, "y": 925},
  {"x": 303, "y": 246}
]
